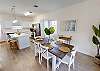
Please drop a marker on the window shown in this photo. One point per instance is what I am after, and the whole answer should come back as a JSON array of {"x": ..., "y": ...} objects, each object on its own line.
[
  {"x": 54, "y": 24},
  {"x": 46, "y": 24}
]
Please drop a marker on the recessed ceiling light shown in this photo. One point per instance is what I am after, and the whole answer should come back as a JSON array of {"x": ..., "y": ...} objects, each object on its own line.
[
  {"x": 30, "y": 12},
  {"x": 27, "y": 13},
  {"x": 36, "y": 6}
]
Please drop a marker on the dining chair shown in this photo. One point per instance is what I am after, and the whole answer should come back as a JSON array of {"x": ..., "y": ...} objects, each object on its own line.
[
  {"x": 11, "y": 41},
  {"x": 37, "y": 50},
  {"x": 13, "y": 44},
  {"x": 68, "y": 59},
  {"x": 45, "y": 54}
]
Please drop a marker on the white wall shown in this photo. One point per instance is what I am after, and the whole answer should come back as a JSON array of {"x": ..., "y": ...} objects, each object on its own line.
[{"x": 87, "y": 13}]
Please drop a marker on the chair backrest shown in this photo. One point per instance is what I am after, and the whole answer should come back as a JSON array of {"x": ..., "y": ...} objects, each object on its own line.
[
  {"x": 9, "y": 35},
  {"x": 44, "y": 50},
  {"x": 37, "y": 46},
  {"x": 72, "y": 58}
]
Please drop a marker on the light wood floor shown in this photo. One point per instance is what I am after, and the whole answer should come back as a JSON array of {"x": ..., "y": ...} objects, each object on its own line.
[{"x": 24, "y": 60}]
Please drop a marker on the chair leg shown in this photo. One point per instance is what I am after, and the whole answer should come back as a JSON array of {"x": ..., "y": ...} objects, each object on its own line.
[
  {"x": 35, "y": 51},
  {"x": 58, "y": 65},
  {"x": 39, "y": 58},
  {"x": 54, "y": 63},
  {"x": 47, "y": 65},
  {"x": 73, "y": 65},
  {"x": 68, "y": 67}
]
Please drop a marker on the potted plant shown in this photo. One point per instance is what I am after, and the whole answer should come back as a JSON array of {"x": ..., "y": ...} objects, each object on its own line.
[
  {"x": 49, "y": 31},
  {"x": 96, "y": 39}
]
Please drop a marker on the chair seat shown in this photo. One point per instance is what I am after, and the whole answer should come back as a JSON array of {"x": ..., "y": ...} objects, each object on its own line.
[
  {"x": 66, "y": 59},
  {"x": 45, "y": 55}
]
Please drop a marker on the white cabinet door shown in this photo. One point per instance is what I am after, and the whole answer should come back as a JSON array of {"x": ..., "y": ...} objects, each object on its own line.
[{"x": 23, "y": 42}]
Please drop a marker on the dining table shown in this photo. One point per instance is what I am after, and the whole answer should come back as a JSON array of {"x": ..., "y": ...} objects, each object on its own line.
[{"x": 55, "y": 50}]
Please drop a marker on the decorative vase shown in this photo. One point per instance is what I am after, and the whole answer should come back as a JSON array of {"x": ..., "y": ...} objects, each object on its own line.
[{"x": 49, "y": 39}]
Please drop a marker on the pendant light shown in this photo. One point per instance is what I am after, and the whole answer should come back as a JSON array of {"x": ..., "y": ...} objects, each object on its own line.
[
  {"x": 36, "y": 3},
  {"x": 13, "y": 14},
  {"x": 15, "y": 23}
]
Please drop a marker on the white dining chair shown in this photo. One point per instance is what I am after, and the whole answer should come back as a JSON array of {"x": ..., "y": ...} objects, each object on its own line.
[
  {"x": 69, "y": 60},
  {"x": 37, "y": 50},
  {"x": 45, "y": 54}
]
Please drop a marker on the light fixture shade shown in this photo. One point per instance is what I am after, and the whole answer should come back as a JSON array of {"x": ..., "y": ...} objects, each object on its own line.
[
  {"x": 15, "y": 21},
  {"x": 28, "y": 13}
]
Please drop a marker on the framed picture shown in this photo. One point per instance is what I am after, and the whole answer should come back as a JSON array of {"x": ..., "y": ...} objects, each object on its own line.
[{"x": 70, "y": 25}]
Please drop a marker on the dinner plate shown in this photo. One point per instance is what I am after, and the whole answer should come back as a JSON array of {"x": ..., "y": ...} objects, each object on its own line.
[{"x": 64, "y": 49}]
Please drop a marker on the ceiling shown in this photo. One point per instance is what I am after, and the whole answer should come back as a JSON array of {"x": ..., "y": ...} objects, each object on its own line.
[{"x": 27, "y": 5}]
